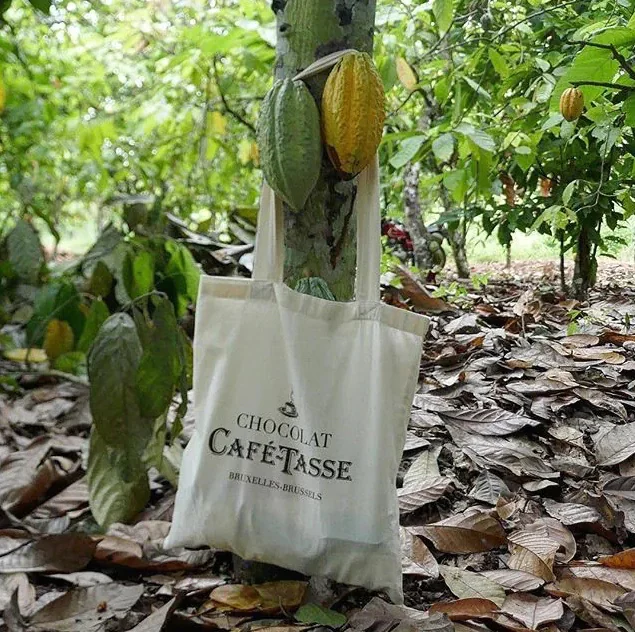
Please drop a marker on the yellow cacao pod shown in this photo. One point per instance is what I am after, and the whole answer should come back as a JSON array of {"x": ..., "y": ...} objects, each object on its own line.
[
  {"x": 571, "y": 104},
  {"x": 353, "y": 113}
]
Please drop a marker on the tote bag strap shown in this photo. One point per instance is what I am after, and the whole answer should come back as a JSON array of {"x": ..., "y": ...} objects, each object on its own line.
[{"x": 269, "y": 251}]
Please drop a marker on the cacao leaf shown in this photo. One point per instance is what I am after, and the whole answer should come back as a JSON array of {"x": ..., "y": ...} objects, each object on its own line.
[
  {"x": 599, "y": 592},
  {"x": 313, "y": 613},
  {"x": 138, "y": 273},
  {"x": 112, "y": 367},
  {"x": 623, "y": 559},
  {"x": 533, "y": 611},
  {"x": 58, "y": 339},
  {"x": 157, "y": 620},
  {"x": 97, "y": 316},
  {"x": 423, "y": 468},
  {"x": 416, "y": 558},
  {"x": 159, "y": 367},
  {"x": 406, "y": 74},
  {"x": 427, "y": 491},
  {"x": 36, "y": 356},
  {"x": 101, "y": 280},
  {"x": 616, "y": 445},
  {"x": 466, "y": 609},
  {"x": 489, "y": 421},
  {"x": 81, "y": 610},
  {"x": 520, "y": 581},
  {"x": 443, "y": 11},
  {"x": 182, "y": 274},
  {"x": 118, "y": 486},
  {"x": 25, "y": 252},
  {"x": 571, "y": 513},
  {"x": 623, "y": 577},
  {"x": 488, "y": 488},
  {"x": 468, "y": 585}
]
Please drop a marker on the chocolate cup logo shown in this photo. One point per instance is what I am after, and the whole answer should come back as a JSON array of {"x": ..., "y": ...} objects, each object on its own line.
[{"x": 289, "y": 409}]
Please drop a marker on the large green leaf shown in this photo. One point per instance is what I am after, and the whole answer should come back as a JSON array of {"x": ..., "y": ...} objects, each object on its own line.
[
  {"x": 97, "y": 316},
  {"x": 629, "y": 110},
  {"x": 25, "y": 252},
  {"x": 408, "y": 149},
  {"x": 112, "y": 368},
  {"x": 42, "y": 5},
  {"x": 117, "y": 492},
  {"x": 159, "y": 368},
  {"x": 443, "y": 147},
  {"x": 183, "y": 275},
  {"x": 443, "y": 13},
  {"x": 138, "y": 273},
  {"x": 477, "y": 136},
  {"x": 594, "y": 64}
]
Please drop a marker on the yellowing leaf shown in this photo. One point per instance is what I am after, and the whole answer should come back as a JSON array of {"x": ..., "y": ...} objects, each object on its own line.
[
  {"x": 406, "y": 74},
  {"x": 26, "y": 355},
  {"x": 254, "y": 153},
  {"x": 217, "y": 123},
  {"x": 237, "y": 597},
  {"x": 271, "y": 597},
  {"x": 245, "y": 151},
  {"x": 58, "y": 339}
]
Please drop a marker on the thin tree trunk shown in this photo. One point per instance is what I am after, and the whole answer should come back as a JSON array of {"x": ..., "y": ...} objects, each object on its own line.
[
  {"x": 585, "y": 269},
  {"x": 456, "y": 237},
  {"x": 320, "y": 241},
  {"x": 508, "y": 255},
  {"x": 413, "y": 218},
  {"x": 563, "y": 270}
]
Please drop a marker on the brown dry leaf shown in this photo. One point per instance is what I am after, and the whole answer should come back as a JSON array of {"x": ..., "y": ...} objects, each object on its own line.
[
  {"x": 488, "y": 488},
  {"x": 616, "y": 445},
  {"x": 468, "y": 532},
  {"x": 379, "y": 616},
  {"x": 622, "y": 486},
  {"x": 86, "y": 609},
  {"x": 198, "y": 583},
  {"x": 588, "y": 613},
  {"x": 414, "y": 442},
  {"x": 623, "y": 559},
  {"x": 571, "y": 513},
  {"x": 606, "y": 354},
  {"x": 70, "y": 499},
  {"x": 423, "y": 468},
  {"x": 621, "y": 576},
  {"x": 517, "y": 581},
  {"x": 533, "y": 553},
  {"x": 416, "y": 558},
  {"x": 580, "y": 341},
  {"x": 602, "y": 400},
  {"x": 533, "y": 611},
  {"x": 237, "y": 597},
  {"x": 60, "y": 553},
  {"x": 425, "y": 491},
  {"x": 157, "y": 620},
  {"x": 19, "y": 582},
  {"x": 467, "y": 585},
  {"x": 418, "y": 295},
  {"x": 83, "y": 579},
  {"x": 281, "y": 596},
  {"x": 598, "y": 592},
  {"x": 466, "y": 609},
  {"x": 489, "y": 421}
]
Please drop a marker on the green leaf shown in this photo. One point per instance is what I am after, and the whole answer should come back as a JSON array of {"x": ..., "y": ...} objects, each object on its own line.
[
  {"x": 313, "y": 613},
  {"x": 457, "y": 183},
  {"x": 159, "y": 368},
  {"x": 477, "y": 87},
  {"x": 112, "y": 368},
  {"x": 408, "y": 149},
  {"x": 4, "y": 6},
  {"x": 478, "y": 137},
  {"x": 42, "y": 5},
  {"x": 105, "y": 245},
  {"x": 73, "y": 362},
  {"x": 138, "y": 273},
  {"x": 101, "y": 280},
  {"x": 117, "y": 492},
  {"x": 443, "y": 147},
  {"x": 25, "y": 252},
  {"x": 153, "y": 455},
  {"x": 59, "y": 300},
  {"x": 97, "y": 316},
  {"x": 629, "y": 110},
  {"x": 184, "y": 274},
  {"x": 568, "y": 192},
  {"x": 499, "y": 63},
  {"x": 443, "y": 11}
]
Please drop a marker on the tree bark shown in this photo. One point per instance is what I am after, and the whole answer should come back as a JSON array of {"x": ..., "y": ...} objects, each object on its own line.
[
  {"x": 456, "y": 238},
  {"x": 413, "y": 218},
  {"x": 585, "y": 270},
  {"x": 320, "y": 241}
]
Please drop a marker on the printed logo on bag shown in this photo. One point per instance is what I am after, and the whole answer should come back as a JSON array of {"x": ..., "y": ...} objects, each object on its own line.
[{"x": 299, "y": 458}]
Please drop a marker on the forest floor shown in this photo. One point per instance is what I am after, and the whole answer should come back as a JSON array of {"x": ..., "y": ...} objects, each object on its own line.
[{"x": 516, "y": 488}]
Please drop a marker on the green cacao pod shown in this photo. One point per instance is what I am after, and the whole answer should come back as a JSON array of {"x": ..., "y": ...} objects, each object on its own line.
[
  {"x": 289, "y": 141},
  {"x": 353, "y": 113},
  {"x": 571, "y": 104},
  {"x": 315, "y": 286}
]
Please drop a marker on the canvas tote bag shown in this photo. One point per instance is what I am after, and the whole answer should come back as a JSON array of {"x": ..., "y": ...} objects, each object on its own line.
[{"x": 301, "y": 407}]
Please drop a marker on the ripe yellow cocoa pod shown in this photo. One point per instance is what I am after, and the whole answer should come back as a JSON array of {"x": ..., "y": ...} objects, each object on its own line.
[
  {"x": 353, "y": 113},
  {"x": 571, "y": 104}
]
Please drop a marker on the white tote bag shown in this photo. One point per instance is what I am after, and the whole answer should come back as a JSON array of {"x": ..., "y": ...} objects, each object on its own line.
[{"x": 301, "y": 407}]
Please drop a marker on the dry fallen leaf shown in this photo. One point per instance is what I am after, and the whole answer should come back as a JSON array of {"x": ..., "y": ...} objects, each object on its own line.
[
  {"x": 600, "y": 593},
  {"x": 532, "y": 611},
  {"x": 416, "y": 558},
  {"x": 466, "y": 609},
  {"x": 465, "y": 584},
  {"x": 426, "y": 491}
]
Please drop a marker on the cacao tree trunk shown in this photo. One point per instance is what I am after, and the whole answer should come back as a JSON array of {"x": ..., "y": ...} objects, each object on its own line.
[
  {"x": 320, "y": 241},
  {"x": 413, "y": 218},
  {"x": 585, "y": 270},
  {"x": 456, "y": 237}
]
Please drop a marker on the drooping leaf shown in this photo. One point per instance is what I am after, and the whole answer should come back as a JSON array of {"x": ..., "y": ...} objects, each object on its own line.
[
  {"x": 159, "y": 368},
  {"x": 25, "y": 252},
  {"x": 119, "y": 487},
  {"x": 97, "y": 315},
  {"x": 138, "y": 273},
  {"x": 182, "y": 273}
]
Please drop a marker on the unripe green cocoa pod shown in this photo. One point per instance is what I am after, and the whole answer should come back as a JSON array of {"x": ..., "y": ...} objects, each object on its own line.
[
  {"x": 289, "y": 141},
  {"x": 571, "y": 104}
]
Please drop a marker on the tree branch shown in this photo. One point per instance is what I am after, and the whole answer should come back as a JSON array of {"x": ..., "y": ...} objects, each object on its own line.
[
  {"x": 229, "y": 110},
  {"x": 630, "y": 71},
  {"x": 603, "y": 84}
]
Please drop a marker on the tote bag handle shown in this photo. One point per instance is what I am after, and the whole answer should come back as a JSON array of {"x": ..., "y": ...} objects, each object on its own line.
[{"x": 269, "y": 255}]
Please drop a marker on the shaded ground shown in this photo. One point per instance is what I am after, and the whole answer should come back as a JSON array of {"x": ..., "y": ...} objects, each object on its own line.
[{"x": 517, "y": 487}]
